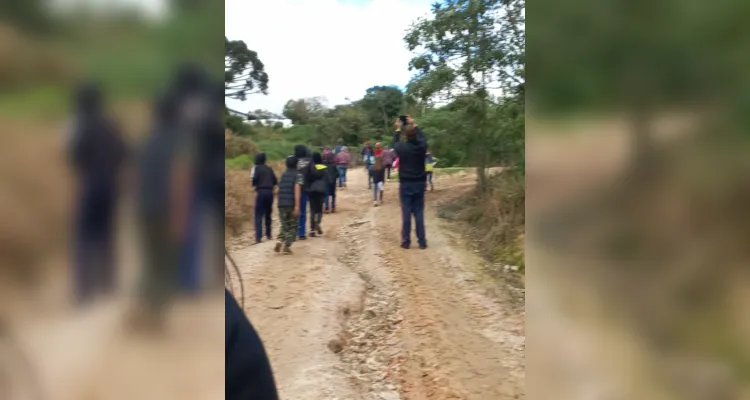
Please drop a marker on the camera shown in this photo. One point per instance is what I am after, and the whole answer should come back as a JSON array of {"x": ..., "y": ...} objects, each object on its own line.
[{"x": 404, "y": 119}]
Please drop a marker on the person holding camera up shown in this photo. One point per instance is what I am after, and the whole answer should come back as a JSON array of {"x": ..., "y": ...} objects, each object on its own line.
[{"x": 412, "y": 178}]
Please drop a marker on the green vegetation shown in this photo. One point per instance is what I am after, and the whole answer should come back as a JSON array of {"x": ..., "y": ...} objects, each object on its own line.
[{"x": 131, "y": 57}]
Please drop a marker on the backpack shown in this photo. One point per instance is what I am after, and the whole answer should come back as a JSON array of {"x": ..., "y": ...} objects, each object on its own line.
[{"x": 321, "y": 180}]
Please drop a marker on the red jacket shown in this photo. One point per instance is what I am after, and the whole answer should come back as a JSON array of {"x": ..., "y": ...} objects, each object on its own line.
[{"x": 378, "y": 152}]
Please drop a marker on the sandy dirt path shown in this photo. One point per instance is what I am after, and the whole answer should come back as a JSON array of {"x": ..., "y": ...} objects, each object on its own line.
[{"x": 351, "y": 315}]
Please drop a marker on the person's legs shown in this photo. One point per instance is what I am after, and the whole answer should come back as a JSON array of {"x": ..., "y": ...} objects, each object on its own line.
[
  {"x": 288, "y": 233},
  {"x": 269, "y": 212},
  {"x": 84, "y": 237},
  {"x": 388, "y": 171},
  {"x": 259, "y": 210},
  {"x": 190, "y": 250},
  {"x": 342, "y": 172},
  {"x": 418, "y": 210},
  {"x": 405, "y": 216},
  {"x": 326, "y": 200},
  {"x": 159, "y": 268},
  {"x": 333, "y": 198},
  {"x": 301, "y": 231},
  {"x": 107, "y": 274},
  {"x": 316, "y": 213},
  {"x": 375, "y": 192}
]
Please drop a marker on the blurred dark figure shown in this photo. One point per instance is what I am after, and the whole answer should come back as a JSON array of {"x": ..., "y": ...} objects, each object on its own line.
[
  {"x": 165, "y": 185},
  {"x": 248, "y": 373},
  {"x": 264, "y": 180},
  {"x": 98, "y": 153},
  {"x": 202, "y": 118}
]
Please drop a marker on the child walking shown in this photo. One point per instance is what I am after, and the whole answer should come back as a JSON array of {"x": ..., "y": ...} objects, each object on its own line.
[
  {"x": 290, "y": 191},
  {"x": 333, "y": 176},
  {"x": 378, "y": 179},
  {"x": 429, "y": 164},
  {"x": 318, "y": 189}
]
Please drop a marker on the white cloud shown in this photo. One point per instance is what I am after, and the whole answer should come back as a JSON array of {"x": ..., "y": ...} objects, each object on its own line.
[{"x": 323, "y": 47}]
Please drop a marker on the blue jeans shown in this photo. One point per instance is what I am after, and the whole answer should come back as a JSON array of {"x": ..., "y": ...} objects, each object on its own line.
[
  {"x": 369, "y": 175},
  {"x": 332, "y": 196},
  {"x": 303, "y": 198},
  {"x": 190, "y": 257},
  {"x": 263, "y": 209},
  {"x": 429, "y": 177},
  {"x": 375, "y": 190},
  {"x": 342, "y": 175},
  {"x": 412, "y": 204}
]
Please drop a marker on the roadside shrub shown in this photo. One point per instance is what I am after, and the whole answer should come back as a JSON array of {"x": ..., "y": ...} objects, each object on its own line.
[{"x": 235, "y": 146}]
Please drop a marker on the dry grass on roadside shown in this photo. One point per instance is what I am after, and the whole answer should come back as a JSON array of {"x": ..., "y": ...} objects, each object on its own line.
[{"x": 496, "y": 217}]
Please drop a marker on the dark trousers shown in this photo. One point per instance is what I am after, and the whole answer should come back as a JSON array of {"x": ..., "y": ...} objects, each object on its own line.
[
  {"x": 330, "y": 199},
  {"x": 263, "y": 210},
  {"x": 316, "y": 210},
  {"x": 160, "y": 274},
  {"x": 388, "y": 171},
  {"x": 303, "y": 200},
  {"x": 412, "y": 204},
  {"x": 190, "y": 253},
  {"x": 94, "y": 262}
]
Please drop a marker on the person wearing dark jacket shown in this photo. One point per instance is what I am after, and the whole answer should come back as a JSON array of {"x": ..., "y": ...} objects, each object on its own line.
[
  {"x": 290, "y": 191},
  {"x": 333, "y": 176},
  {"x": 264, "y": 180},
  {"x": 304, "y": 166},
  {"x": 318, "y": 188},
  {"x": 98, "y": 154},
  {"x": 412, "y": 181},
  {"x": 247, "y": 371}
]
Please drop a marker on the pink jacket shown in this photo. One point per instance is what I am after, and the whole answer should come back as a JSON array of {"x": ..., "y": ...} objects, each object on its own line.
[{"x": 343, "y": 159}]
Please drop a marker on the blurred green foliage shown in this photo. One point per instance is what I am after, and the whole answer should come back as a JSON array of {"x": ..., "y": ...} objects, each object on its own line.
[{"x": 130, "y": 56}]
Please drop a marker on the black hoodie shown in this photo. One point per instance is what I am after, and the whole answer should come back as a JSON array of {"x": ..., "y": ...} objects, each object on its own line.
[
  {"x": 264, "y": 179},
  {"x": 97, "y": 149}
]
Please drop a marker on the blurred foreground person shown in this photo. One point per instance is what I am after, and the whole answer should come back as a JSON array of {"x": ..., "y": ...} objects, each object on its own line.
[
  {"x": 248, "y": 374},
  {"x": 165, "y": 185},
  {"x": 97, "y": 154},
  {"x": 207, "y": 199}
]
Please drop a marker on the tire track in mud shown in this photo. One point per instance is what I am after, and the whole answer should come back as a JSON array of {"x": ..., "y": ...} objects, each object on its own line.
[{"x": 426, "y": 331}]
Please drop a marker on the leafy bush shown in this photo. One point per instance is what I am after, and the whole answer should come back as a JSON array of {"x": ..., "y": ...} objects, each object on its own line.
[{"x": 235, "y": 146}]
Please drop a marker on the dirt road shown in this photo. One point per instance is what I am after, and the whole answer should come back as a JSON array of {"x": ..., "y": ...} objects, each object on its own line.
[{"x": 351, "y": 315}]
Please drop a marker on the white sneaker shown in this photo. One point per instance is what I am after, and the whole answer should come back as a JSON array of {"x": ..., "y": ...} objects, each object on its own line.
[{"x": 375, "y": 204}]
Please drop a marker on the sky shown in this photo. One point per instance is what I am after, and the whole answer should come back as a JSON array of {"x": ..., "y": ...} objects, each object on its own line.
[{"x": 330, "y": 48}]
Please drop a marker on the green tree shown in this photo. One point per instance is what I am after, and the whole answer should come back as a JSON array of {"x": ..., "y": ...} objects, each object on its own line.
[
  {"x": 244, "y": 73},
  {"x": 302, "y": 111},
  {"x": 383, "y": 104},
  {"x": 465, "y": 50}
]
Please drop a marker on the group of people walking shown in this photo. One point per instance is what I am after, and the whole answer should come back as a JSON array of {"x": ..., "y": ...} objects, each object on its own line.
[
  {"x": 311, "y": 179},
  {"x": 176, "y": 179}
]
